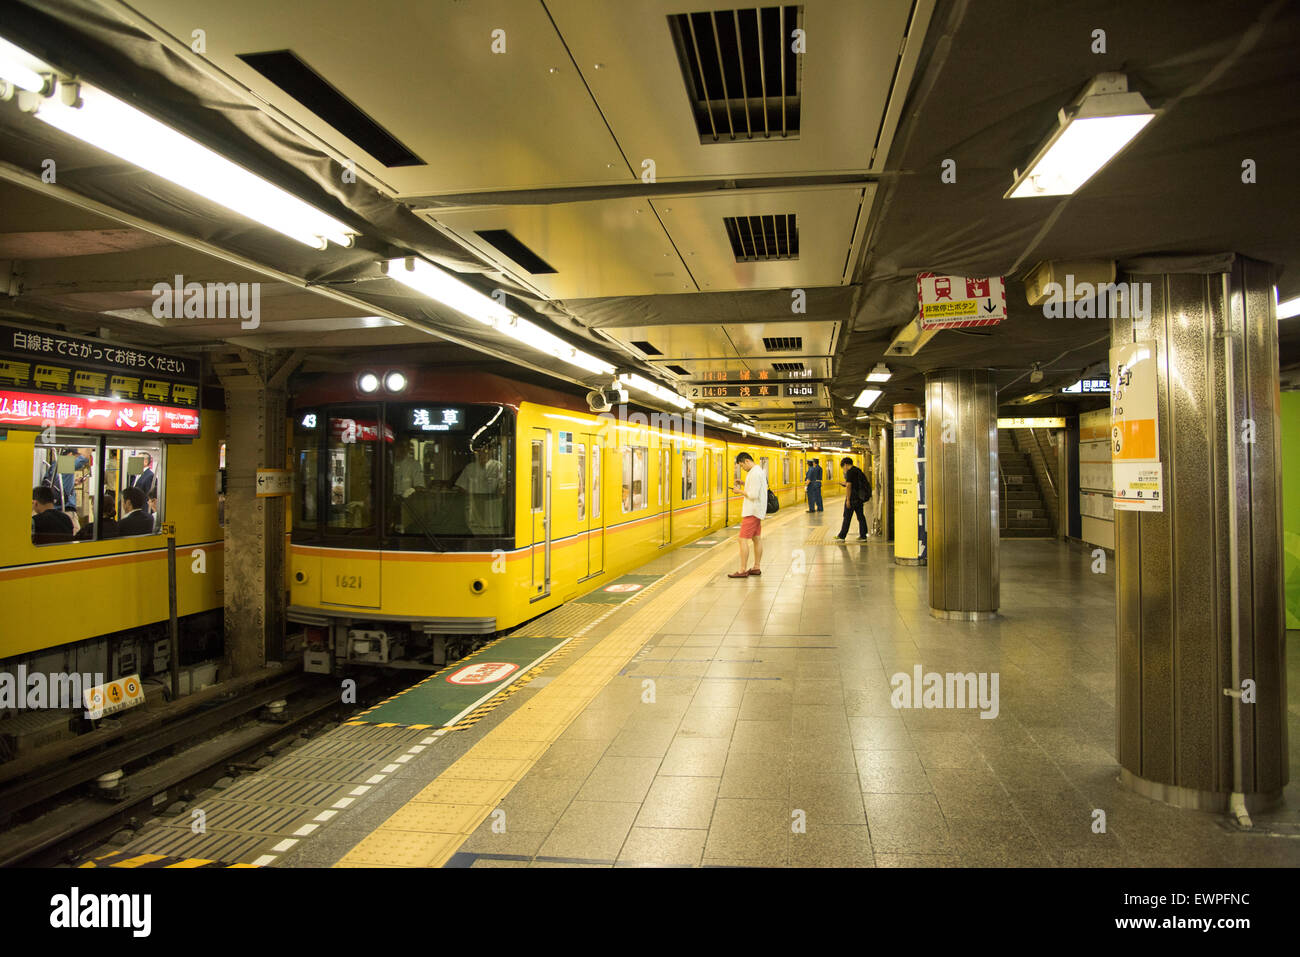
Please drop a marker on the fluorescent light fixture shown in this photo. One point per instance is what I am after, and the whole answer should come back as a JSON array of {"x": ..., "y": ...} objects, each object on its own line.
[
  {"x": 642, "y": 384},
  {"x": 107, "y": 123},
  {"x": 710, "y": 416},
  {"x": 880, "y": 373},
  {"x": 1285, "y": 310},
  {"x": 442, "y": 286},
  {"x": 20, "y": 69},
  {"x": 744, "y": 427},
  {"x": 868, "y": 396},
  {"x": 1089, "y": 134}
]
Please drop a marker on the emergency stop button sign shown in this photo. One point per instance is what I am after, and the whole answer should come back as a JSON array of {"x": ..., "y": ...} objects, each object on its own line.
[{"x": 485, "y": 673}]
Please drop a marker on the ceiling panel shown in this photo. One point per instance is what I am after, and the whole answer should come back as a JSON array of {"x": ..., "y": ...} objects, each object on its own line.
[
  {"x": 426, "y": 73},
  {"x": 855, "y": 55},
  {"x": 610, "y": 247},
  {"x": 827, "y": 223}
]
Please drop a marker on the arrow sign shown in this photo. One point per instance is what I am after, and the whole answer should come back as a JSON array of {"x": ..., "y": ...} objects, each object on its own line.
[
  {"x": 989, "y": 307},
  {"x": 274, "y": 482}
]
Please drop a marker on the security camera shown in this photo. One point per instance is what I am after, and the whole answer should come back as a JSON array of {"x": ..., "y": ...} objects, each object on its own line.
[
  {"x": 597, "y": 401},
  {"x": 615, "y": 395}
]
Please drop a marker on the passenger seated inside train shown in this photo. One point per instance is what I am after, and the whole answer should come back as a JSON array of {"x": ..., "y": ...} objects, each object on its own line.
[
  {"x": 49, "y": 524},
  {"x": 136, "y": 519},
  {"x": 107, "y": 521}
]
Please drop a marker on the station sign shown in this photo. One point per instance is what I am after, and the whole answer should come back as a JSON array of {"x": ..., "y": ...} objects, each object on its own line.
[
  {"x": 1137, "y": 475},
  {"x": 955, "y": 302},
  {"x": 1048, "y": 422},
  {"x": 272, "y": 483},
  {"x": 801, "y": 390},
  {"x": 812, "y": 425},
  {"x": 1085, "y": 386},
  {"x": 779, "y": 425},
  {"x": 749, "y": 390},
  {"x": 75, "y": 382}
]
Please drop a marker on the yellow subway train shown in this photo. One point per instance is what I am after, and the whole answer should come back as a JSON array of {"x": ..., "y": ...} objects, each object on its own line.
[{"x": 465, "y": 504}]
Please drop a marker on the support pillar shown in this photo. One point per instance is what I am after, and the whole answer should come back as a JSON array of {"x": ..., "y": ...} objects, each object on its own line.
[
  {"x": 255, "y": 587},
  {"x": 1212, "y": 557},
  {"x": 961, "y": 459}
]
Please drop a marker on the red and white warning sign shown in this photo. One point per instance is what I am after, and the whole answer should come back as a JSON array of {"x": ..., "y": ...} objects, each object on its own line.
[
  {"x": 483, "y": 673},
  {"x": 624, "y": 587},
  {"x": 952, "y": 302}
]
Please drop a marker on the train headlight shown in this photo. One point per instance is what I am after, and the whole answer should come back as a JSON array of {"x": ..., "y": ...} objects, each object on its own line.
[
  {"x": 369, "y": 382},
  {"x": 394, "y": 382}
]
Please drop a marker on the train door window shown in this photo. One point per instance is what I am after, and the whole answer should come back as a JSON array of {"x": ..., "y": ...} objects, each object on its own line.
[
  {"x": 63, "y": 484},
  {"x": 689, "y": 475},
  {"x": 581, "y": 451},
  {"x": 720, "y": 471},
  {"x": 665, "y": 469},
  {"x": 537, "y": 501},
  {"x": 133, "y": 473},
  {"x": 763, "y": 465},
  {"x": 634, "y": 460},
  {"x": 785, "y": 470},
  {"x": 595, "y": 480},
  {"x": 351, "y": 440},
  {"x": 307, "y": 470}
]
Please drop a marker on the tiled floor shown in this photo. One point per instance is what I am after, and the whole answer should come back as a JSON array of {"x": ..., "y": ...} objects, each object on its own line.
[{"x": 756, "y": 729}]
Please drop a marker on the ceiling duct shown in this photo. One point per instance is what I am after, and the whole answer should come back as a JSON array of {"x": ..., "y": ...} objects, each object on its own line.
[
  {"x": 765, "y": 238},
  {"x": 505, "y": 242},
  {"x": 741, "y": 73}
]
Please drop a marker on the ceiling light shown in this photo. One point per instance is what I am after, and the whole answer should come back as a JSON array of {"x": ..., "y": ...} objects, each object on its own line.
[
  {"x": 20, "y": 69},
  {"x": 442, "y": 286},
  {"x": 710, "y": 416},
  {"x": 1285, "y": 310},
  {"x": 369, "y": 382},
  {"x": 643, "y": 384},
  {"x": 109, "y": 124},
  {"x": 868, "y": 396},
  {"x": 394, "y": 382},
  {"x": 880, "y": 373},
  {"x": 1089, "y": 134}
]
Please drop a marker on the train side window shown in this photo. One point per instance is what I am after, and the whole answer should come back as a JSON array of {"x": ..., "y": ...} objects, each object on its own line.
[
  {"x": 63, "y": 483},
  {"x": 689, "y": 475},
  {"x": 134, "y": 464},
  {"x": 582, "y": 482}
]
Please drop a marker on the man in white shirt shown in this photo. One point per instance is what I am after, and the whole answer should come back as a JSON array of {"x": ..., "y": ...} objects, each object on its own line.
[
  {"x": 407, "y": 476},
  {"x": 752, "y": 511},
  {"x": 481, "y": 479}
]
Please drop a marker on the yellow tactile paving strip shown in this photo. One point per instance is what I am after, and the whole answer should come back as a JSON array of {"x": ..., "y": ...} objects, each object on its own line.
[{"x": 428, "y": 830}]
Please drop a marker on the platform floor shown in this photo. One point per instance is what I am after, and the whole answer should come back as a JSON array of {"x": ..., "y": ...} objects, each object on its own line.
[{"x": 701, "y": 722}]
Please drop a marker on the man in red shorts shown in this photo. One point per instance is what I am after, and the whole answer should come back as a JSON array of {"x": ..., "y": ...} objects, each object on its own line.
[{"x": 752, "y": 511}]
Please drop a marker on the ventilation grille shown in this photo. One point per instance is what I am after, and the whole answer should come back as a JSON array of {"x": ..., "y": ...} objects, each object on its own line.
[
  {"x": 787, "y": 366},
  {"x": 804, "y": 402},
  {"x": 296, "y": 78},
  {"x": 783, "y": 343},
  {"x": 679, "y": 370},
  {"x": 507, "y": 245},
  {"x": 741, "y": 73},
  {"x": 758, "y": 239},
  {"x": 646, "y": 348}
]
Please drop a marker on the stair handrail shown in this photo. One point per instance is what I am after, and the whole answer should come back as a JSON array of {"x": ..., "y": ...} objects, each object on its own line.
[{"x": 1046, "y": 468}]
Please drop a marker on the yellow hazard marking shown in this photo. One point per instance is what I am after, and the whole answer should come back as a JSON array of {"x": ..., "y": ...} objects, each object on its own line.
[{"x": 429, "y": 829}]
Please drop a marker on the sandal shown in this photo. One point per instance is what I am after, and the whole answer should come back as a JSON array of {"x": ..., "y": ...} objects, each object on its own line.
[
  {"x": 755, "y": 571},
  {"x": 738, "y": 575}
]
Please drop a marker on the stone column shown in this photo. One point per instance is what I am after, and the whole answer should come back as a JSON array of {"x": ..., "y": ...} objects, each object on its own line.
[
  {"x": 961, "y": 453},
  {"x": 1214, "y": 551}
]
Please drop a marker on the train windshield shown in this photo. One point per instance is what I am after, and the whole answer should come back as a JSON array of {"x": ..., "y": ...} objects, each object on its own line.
[{"x": 418, "y": 476}]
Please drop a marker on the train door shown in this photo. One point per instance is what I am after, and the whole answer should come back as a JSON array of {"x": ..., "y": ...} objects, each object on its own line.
[
  {"x": 589, "y": 502},
  {"x": 666, "y": 492},
  {"x": 540, "y": 511}
]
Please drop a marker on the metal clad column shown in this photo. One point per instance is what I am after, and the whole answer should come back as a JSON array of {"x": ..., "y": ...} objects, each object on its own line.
[
  {"x": 1174, "y": 724},
  {"x": 961, "y": 452}
]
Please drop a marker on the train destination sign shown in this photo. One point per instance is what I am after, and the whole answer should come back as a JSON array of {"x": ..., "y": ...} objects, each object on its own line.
[
  {"x": 725, "y": 376},
  {"x": 751, "y": 390}
]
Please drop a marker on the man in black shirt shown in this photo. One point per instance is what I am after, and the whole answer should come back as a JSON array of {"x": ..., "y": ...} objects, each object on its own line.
[
  {"x": 136, "y": 519},
  {"x": 857, "y": 492},
  {"x": 49, "y": 524}
]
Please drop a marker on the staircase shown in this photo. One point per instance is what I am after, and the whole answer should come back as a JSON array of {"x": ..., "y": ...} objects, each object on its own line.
[{"x": 1022, "y": 513}]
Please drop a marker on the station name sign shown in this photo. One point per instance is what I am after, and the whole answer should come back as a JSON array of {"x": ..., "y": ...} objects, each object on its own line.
[{"x": 51, "y": 378}]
